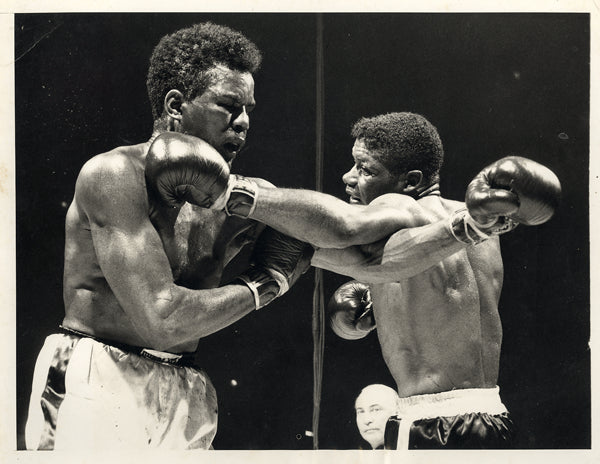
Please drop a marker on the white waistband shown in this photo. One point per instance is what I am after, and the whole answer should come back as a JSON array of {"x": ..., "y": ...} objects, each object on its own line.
[{"x": 451, "y": 403}]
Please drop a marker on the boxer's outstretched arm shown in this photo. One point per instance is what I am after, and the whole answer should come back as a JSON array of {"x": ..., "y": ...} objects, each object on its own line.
[
  {"x": 131, "y": 256},
  {"x": 181, "y": 167},
  {"x": 406, "y": 253},
  {"x": 328, "y": 222}
]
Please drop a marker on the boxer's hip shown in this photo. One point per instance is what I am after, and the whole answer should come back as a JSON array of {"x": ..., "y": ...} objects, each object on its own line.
[
  {"x": 127, "y": 398},
  {"x": 464, "y": 419}
]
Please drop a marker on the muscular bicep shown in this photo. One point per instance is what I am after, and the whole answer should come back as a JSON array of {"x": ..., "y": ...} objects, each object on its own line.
[
  {"x": 327, "y": 222},
  {"x": 133, "y": 262},
  {"x": 128, "y": 248}
]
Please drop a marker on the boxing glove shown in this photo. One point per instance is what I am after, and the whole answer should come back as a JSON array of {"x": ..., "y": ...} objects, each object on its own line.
[
  {"x": 350, "y": 311},
  {"x": 182, "y": 168},
  {"x": 277, "y": 262},
  {"x": 513, "y": 190},
  {"x": 517, "y": 187}
]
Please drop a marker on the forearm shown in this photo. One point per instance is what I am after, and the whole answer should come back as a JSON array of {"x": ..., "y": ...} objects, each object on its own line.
[
  {"x": 182, "y": 315},
  {"x": 405, "y": 254},
  {"x": 164, "y": 314},
  {"x": 323, "y": 220}
]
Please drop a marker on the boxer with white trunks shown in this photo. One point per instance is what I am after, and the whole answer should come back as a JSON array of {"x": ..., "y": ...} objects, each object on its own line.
[
  {"x": 142, "y": 266},
  {"x": 132, "y": 397}
]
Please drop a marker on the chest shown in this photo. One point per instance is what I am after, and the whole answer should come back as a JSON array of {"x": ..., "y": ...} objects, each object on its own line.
[{"x": 200, "y": 242}]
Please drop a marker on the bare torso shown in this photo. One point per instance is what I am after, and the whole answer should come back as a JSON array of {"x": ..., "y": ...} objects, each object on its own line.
[
  {"x": 198, "y": 243},
  {"x": 440, "y": 330}
]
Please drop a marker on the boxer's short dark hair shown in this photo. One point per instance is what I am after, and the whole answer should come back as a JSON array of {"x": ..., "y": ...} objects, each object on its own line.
[
  {"x": 404, "y": 141},
  {"x": 181, "y": 59}
]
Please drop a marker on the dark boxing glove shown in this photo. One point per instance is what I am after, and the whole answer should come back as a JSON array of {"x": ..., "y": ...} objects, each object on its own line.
[
  {"x": 182, "y": 168},
  {"x": 277, "y": 262},
  {"x": 513, "y": 190},
  {"x": 350, "y": 311}
]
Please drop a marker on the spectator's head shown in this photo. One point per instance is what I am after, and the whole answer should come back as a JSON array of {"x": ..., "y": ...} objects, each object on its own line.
[{"x": 373, "y": 406}]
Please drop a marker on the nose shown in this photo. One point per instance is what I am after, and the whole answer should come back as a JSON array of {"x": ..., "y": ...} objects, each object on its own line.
[
  {"x": 241, "y": 122},
  {"x": 350, "y": 177}
]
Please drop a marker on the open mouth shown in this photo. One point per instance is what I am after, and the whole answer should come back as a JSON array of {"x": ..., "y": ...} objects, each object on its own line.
[
  {"x": 232, "y": 147},
  {"x": 231, "y": 150},
  {"x": 354, "y": 199}
]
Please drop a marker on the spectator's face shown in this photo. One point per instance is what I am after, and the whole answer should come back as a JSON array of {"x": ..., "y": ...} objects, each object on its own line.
[
  {"x": 369, "y": 178},
  {"x": 220, "y": 116},
  {"x": 373, "y": 408}
]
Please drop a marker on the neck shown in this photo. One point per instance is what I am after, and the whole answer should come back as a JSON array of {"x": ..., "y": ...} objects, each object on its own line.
[
  {"x": 148, "y": 143},
  {"x": 433, "y": 189},
  {"x": 155, "y": 134}
]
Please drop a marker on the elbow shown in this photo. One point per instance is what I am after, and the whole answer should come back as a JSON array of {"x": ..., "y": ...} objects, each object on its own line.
[
  {"x": 163, "y": 327},
  {"x": 169, "y": 333},
  {"x": 162, "y": 337},
  {"x": 162, "y": 333}
]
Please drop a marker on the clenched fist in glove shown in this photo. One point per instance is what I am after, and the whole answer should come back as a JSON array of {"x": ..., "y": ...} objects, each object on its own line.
[
  {"x": 182, "y": 168},
  {"x": 350, "y": 311},
  {"x": 513, "y": 190},
  {"x": 277, "y": 262}
]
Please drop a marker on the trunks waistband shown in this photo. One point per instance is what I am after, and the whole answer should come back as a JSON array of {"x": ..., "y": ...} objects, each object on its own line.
[
  {"x": 445, "y": 404},
  {"x": 183, "y": 359},
  {"x": 451, "y": 403}
]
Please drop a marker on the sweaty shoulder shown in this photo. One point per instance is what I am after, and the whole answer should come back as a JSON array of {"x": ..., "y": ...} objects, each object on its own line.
[
  {"x": 109, "y": 178},
  {"x": 412, "y": 212},
  {"x": 395, "y": 200}
]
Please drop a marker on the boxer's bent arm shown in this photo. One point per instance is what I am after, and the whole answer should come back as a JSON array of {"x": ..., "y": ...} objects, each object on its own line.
[
  {"x": 328, "y": 222},
  {"x": 405, "y": 254},
  {"x": 132, "y": 259}
]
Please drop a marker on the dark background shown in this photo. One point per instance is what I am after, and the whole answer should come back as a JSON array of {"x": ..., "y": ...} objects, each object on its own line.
[{"x": 493, "y": 84}]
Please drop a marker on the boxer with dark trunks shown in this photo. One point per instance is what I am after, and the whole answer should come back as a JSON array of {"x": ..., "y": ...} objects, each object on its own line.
[{"x": 435, "y": 283}]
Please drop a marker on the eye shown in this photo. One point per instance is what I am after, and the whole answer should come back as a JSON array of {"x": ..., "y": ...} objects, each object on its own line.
[
  {"x": 229, "y": 108},
  {"x": 364, "y": 171}
]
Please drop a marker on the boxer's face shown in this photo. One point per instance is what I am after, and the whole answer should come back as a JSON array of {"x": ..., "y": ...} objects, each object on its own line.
[
  {"x": 369, "y": 178},
  {"x": 220, "y": 115},
  {"x": 373, "y": 408}
]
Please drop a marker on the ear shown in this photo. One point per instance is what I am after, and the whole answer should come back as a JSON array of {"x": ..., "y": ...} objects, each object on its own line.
[
  {"x": 172, "y": 105},
  {"x": 413, "y": 180}
]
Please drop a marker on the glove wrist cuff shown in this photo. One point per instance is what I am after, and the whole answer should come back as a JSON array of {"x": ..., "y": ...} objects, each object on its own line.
[
  {"x": 280, "y": 279},
  {"x": 263, "y": 286},
  {"x": 241, "y": 198},
  {"x": 467, "y": 230}
]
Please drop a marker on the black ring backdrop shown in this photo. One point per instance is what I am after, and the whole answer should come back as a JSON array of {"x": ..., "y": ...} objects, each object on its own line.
[{"x": 491, "y": 83}]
